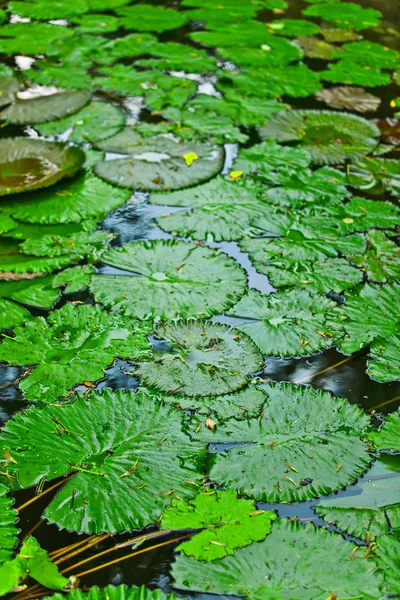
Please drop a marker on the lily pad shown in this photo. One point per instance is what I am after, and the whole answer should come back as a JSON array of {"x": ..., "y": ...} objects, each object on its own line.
[
  {"x": 8, "y": 530},
  {"x": 8, "y": 88},
  {"x": 227, "y": 523},
  {"x": 293, "y": 27},
  {"x": 45, "y": 108},
  {"x": 296, "y": 450},
  {"x": 160, "y": 165},
  {"x": 217, "y": 210},
  {"x": 349, "y": 98},
  {"x": 86, "y": 197},
  {"x": 313, "y": 47},
  {"x": 30, "y": 38},
  {"x": 381, "y": 259},
  {"x": 43, "y": 10},
  {"x": 112, "y": 592},
  {"x": 95, "y": 122},
  {"x": 38, "y": 292},
  {"x": 369, "y": 54},
  {"x": 388, "y": 552},
  {"x": 287, "y": 324},
  {"x": 329, "y": 137},
  {"x": 376, "y": 175},
  {"x": 169, "y": 279},
  {"x": 12, "y": 314},
  {"x": 76, "y": 343},
  {"x": 274, "y": 52},
  {"x": 345, "y": 15},
  {"x": 144, "y": 17},
  {"x": 67, "y": 76},
  {"x": 28, "y": 164},
  {"x": 346, "y": 71},
  {"x": 96, "y": 23},
  {"x": 205, "y": 359},
  {"x": 387, "y": 439},
  {"x": 115, "y": 486},
  {"x": 370, "y": 316},
  {"x": 277, "y": 568}
]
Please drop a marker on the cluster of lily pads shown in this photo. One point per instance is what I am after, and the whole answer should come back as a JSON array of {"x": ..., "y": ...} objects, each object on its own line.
[{"x": 106, "y": 107}]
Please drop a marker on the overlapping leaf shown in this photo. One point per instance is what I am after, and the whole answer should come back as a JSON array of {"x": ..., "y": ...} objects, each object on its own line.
[{"x": 8, "y": 530}]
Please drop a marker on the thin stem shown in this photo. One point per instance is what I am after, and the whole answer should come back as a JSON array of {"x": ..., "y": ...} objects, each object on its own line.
[
  {"x": 313, "y": 375},
  {"x": 382, "y": 404},
  {"x": 93, "y": 542},
  {"x": 64, "y": 549},
  {"x": 50, "y": 489}
]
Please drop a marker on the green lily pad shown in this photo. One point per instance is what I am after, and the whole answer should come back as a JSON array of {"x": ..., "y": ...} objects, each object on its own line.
[
  {"x": 25, "y": 231},
  {"x": 115, "y": 486},
  {"x": 329, "y": 137},
  {"x": 293, "y": 27},
  {"x": 217, "y": 210},
  {"x": 176, "y": 57},
  {"x": 37, "y": 293},
  {"x": 345, "y": 15},
  {"x": 351, "y": 73},
  {"x": 45, "y": 108},
  {"x": 387, "y": 438},
  {"x": 30, "y": 38},
  {"x": 284, "y": 566},
  {"x": 369, "y": 54},
  {"x": 43, "y": 10},
  {"x": 169, "y": 279},
  {"x": 161, "y": 164},
  {"x": 313, "y": 47},
  {"x": 227, "y": 523},
  {"x": 96, "y": 23},
  {"x": 249, "y": 33},
  {"x": 12, "y": 315},
  {"x": 350, "y": 98},
  {"x": 8, "y": 530},
  {"x": 376, "y": 175},
  {"x": 74, "y": 279},
  {"x": 76, "y": 343},
  {"x": 95, "y": 122},
  {"x": 206, "y": 359},
  {"x": 29, "y": 164},
  {"x": 112, "y": 592},
  {"x": 144, "y": 17},
  {"x": 373, "y": 511},
  {"x": 60, "y": 75},
  {"x": 296, "y": 450},
  {"x": 388, "y": 552},
  {"x": 370, "y": 316},
  {"x": 339, "y": 35},
  {"x": 274, "y": 52},
  {"x": 34, "y": 562},
  {"x": 86, "y": 197},
  {"x": 8, "y": 88},
  {"x": 287, "y": 324},
  {"x": 381, "y": 259}
]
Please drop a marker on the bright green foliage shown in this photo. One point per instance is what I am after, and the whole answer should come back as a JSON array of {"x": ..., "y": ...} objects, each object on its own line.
[
  {"x": 388, "y": 439},
  {"x": 45, "y": 108},
  {"x": 376, "y": 175},
  {"x": 345, "y": 15},
  {"x": 144, "y": 17},
  {"x": 227, "y": 523},
  {"x": 96, "y": 23},
  {"x": 205, "y": 359},
  {"x": 43, "y": 10},
  {"x": 28, "y": 231},
  {"x": 169, "y": 279},
  {"x": 275, "y": 52},
  {"x": 8, "y": 531},
  {"x": 295, "y": 561},
  {"x": 29, "y": 164},
  {"x": 95, "y": 122},
  {"x": 32, "y": 560},
  {"x": 373, "y": 512},
  {"x": 298, "y": 450},
  {"x": 269, "y": 159},
  {"x": 370, "y": 316},
  {"x": 112, "y": 592},
  {"x": 347, "y": 71},
  {"x": 12, "y": 314},
  {"x": 388, "y": 552},
  {"x": 293, "y": 27},
  {"x": 217, "y": 210},
  {"x": 64, "y": 75},
  {"x": 287, "y": 324},
  {"x": 86, "y": 197},
  {"x": 30, "y": 38},
  {"x": 75, "y": 344},
  {"x": 369, "y": 54},
  {"x": 381, "y": 259},
  {"x": 329, "y": 137},
  {"x": 37, "y": 292},
  {"x": 350, "y": 98},
  {"x": 127, "y": 451},
  {"x": 74, "y": 279},
  {"x": 161, "y": 164}
]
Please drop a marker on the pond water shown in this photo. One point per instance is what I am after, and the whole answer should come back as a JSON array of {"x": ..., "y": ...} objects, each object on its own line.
[{"x": 143, "y": 87}]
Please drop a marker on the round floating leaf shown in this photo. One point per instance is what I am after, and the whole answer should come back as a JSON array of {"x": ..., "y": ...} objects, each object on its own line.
[
  {"x": 217, "y": 210},
  {"x": 74, "y": 279},
  {"x": 250, "y": 33},
  {"x": 381, "y": 259},
  {"x": 8, "y": 88},
  {"x": 287, "y": 324},
  {"x": 30, "y": 38},
  {"x": 339, "y": 35},
  {"x": 45, "y": 108},
  {"x": 285, "y": 566},
  {"x": 313, "y": 47},
  {"x": 8, "y": 531},
  {"x": 43, "y": 10},
  {"x": 227, "y": 523},
  {"x": 160, "y": 164},
  {"x": 205, "y": 359},
  {"x": 369, "y": 54},
  {"x": 293, "y": 27},
  {"x": 86, "y": 197},
  {"x": 96, "y": 23},
  {"x": 63, "y": 75},
  {"x": 329, "y": 137},
  {"x": 298, "y": 450},
  {"x": 76, "y": 343},
  {"x": 111, "y": 592},
  {"x": 376, "y": 174},
  {"x": 143, "y": 17},
  {"x": 275, "y": 52},
  {"x": 12, "y": 314},
  {"x": 374, "y": 511},
  {"x": 169, "y": 279},
  {"x": 346, "y": 71},
  {"x": 370, "y": 316},
  {"x": 345, "y": 15},
  {"x": 129, "y": 453},
  {"x": 388, "y": 438},
  {"x": 349, "y": 98},
  {"x": 38, "y": 292},
  {"x": 95, "y": 122},
  {"x": 388, "y": 552},
  {"x": 25, "y": 231},
  {"x": 28, "y": 164}
]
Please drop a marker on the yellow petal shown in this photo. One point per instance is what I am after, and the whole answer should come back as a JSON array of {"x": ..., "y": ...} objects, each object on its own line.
[
  {"x": 236, "y": 174},
  {"x": 190, "y": 157}
]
